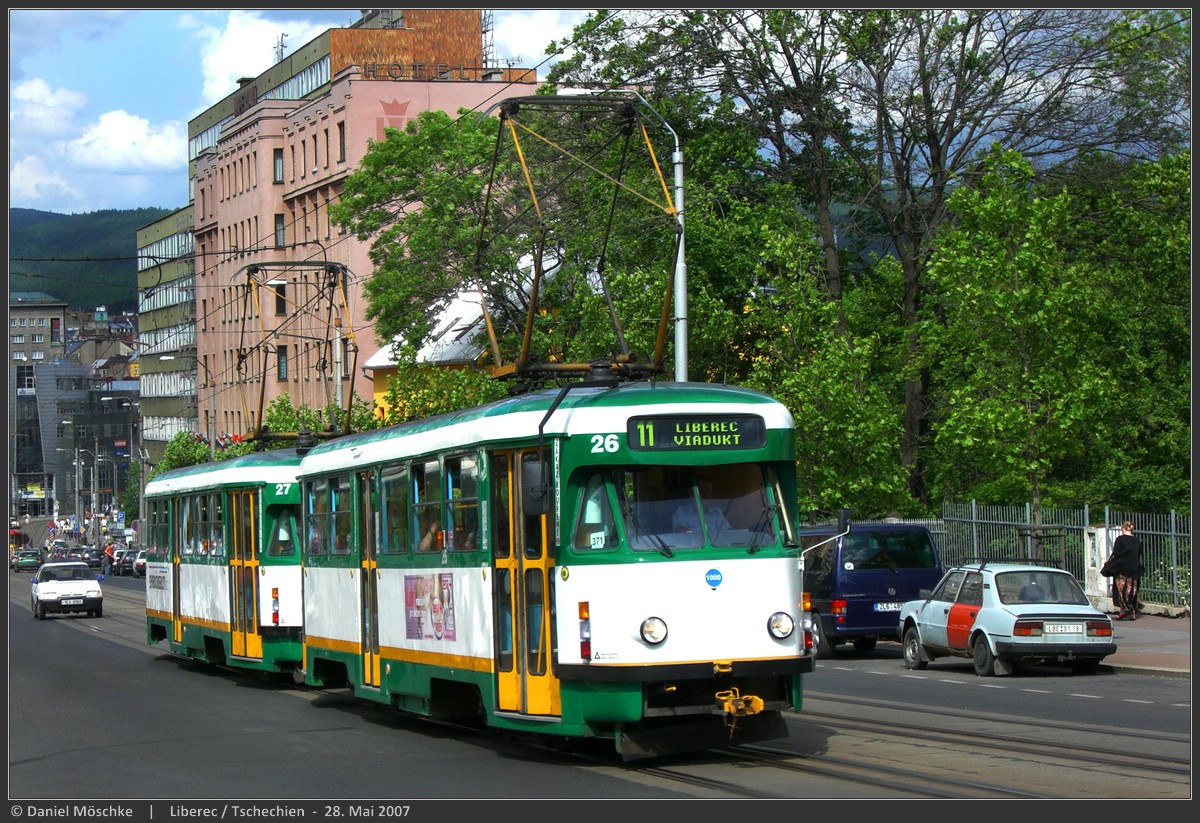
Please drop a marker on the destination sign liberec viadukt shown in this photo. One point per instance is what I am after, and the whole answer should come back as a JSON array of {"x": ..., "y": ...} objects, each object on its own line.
[{"x": 694, "y": 432}]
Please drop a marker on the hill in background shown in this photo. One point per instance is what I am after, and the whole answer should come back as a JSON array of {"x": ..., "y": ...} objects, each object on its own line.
[{"x": 85, "y": 260}]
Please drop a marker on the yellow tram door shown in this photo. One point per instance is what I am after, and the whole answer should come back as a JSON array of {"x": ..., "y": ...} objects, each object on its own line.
[
  {"x": 369, "y": 587},
  {"x": 243, "y": 574},
  {"x": 176, "y": 609},
  {"x": 522, "y": 569}
]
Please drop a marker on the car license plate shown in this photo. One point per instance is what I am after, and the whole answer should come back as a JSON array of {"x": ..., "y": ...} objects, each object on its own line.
[
  {"x": 887, "y": 607},
  {"x": 73, "y": 602},
  {"x": 1064, "y": 628}
]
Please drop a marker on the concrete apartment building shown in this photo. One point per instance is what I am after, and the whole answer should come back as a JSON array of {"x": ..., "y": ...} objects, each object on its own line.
[
  {"x": 240, "y": 293},
  {"x": 72, "y": 391}
]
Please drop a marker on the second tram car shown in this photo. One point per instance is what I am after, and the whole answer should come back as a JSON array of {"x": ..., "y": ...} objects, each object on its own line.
[
  {"x": 606, "y": 560},
  {"x": 223, "y": 562}
]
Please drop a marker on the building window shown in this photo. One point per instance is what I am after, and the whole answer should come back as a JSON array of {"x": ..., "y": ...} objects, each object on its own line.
[
  {"x": 280, "y": 231},
  {"x": 341, "y": 142},
  {"x": 18, "y": 339},
  {"x": 281, "y": 298},
  {"x": 39, "y": 355},
  {"x": 326, "y": 148},
  {"x": 278, "y": 165},
  {"x": 37, "y": 338},
  {"x": 281, "y": 359}
]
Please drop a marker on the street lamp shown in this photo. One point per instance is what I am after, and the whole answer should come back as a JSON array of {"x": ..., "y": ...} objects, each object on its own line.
[
  {"x": 131, "y": 406},
  {"x": 75, "y": 466}
]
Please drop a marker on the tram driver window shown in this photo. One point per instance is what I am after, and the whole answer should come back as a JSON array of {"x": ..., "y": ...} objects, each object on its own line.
[
  {"x": 283, "y": 543},
  {"x": 595, "y": 527}
]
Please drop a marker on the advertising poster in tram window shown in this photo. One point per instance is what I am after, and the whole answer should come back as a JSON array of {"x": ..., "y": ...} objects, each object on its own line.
[{"x": 429, "y": 606}]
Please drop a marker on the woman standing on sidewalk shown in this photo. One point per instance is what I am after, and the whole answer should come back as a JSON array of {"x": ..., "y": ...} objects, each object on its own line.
[{"x": 1127, "y": 570}]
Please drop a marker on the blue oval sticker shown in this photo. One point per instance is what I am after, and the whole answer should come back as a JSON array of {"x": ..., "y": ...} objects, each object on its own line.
[{"x": 713, "y": 577}]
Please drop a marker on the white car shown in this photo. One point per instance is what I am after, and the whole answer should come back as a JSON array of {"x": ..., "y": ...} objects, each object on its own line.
[
  {"x": 1003, "y": 615},
  {"x": 65, "y": 587}
]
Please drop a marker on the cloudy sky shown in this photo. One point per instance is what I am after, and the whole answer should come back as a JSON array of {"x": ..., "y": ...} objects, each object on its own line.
[{"x": 99, "y": 101}]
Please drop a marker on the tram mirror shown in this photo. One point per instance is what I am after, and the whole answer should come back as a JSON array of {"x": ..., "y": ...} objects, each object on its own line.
[
  {"x": 533, "y": 487},
  {"x": 843, "y": 521}
]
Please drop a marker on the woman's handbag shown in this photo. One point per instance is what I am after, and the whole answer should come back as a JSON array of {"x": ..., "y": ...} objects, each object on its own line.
[{"x": 1107, "y": 568}]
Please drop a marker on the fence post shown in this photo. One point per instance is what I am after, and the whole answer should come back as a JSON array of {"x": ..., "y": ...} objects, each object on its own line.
[
  {"x": 1174, "y": 565},
  {"x": 974, "y": 534}
]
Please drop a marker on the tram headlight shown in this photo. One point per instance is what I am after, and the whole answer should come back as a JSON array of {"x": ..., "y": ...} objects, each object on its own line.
[
  {"x": 781, "y": 625},
  {"x": 654, "y": 630}
]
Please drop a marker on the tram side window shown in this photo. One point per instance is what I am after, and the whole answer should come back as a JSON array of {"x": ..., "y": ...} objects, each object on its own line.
[
  {"x": 213, "y": 524},
  {"x": 427, "y": 489},
  {"x": 189, "y": 512},
  {"x": 317, "y": 515},
  {"x": 501, "y": 478},
  {"x": 462, "y": 475},
  {"x": 339, "y": 492},
  {"x": 158, "y": 534},
  {"x": 395, "y": 510}
]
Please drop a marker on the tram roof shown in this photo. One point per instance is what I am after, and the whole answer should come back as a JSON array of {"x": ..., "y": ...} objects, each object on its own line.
[
  {"x": 259, "y": 468},
  {"x": 583, "y": 410}
]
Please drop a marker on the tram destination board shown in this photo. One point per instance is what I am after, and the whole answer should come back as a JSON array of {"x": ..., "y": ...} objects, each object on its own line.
[{"x": 696, "y": 432}]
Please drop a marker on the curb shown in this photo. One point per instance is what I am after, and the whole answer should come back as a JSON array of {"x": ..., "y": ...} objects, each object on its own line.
[{"x": 1123, "y": 668}]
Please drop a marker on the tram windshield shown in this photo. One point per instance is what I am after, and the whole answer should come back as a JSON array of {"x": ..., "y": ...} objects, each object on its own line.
[{"x": 663, "y": 508}]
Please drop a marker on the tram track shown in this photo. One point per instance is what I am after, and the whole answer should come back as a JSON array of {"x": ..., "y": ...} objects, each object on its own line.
[{"x": 838, "y": 747}]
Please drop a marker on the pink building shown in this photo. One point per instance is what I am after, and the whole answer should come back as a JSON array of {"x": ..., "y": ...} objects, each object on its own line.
[{"x": 279, "y": 302}]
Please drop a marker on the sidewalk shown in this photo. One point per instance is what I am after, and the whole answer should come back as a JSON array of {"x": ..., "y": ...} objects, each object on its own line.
[{"x": 1153, "y": 644}]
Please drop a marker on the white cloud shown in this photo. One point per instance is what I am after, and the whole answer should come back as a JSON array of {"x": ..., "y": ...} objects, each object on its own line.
[
  {"x": 244, "y": 47},
  {"x": 522, "y": 36},
  {"x": 124, "y": 143},
  {"x": 31, "y": 180},
  {"x": 35, "y": 109}
]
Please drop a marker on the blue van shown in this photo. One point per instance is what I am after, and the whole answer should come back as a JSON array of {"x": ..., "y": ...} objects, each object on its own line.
[{"x": 854, "y": 585}]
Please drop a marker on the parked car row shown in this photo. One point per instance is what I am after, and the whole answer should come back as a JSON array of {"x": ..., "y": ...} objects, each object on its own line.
[{"x": 124, "y": 563}]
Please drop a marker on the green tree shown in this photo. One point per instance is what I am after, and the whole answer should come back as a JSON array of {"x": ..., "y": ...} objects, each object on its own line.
[
  {"x": 184, "y": 449},
  {"x": 1132, "y": 224},
  {"x": 1018, "y": 339},
  {"x": 875, "y": 116}
]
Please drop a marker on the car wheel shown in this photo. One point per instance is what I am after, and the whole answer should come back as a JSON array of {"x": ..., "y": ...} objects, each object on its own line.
[
  {"x": 982, "y": 657},
  {"x": 99, "y": 612},
  {"x": 912, "y": 650},
  {"x": 1085, "y": 666},
  {"x": 39, "y": 613},
  {"x": 822, "y": 641},
  {"x": 865, "y": 644}
]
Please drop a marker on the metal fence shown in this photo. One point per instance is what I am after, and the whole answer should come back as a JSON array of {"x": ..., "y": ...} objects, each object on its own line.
[{"x": 970, "y": 533}]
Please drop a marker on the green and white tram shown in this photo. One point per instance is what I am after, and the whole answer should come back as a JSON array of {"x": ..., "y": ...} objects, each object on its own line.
[
  {"x": 223, "y": 563},
  {"x": 611, "y": 560}
]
